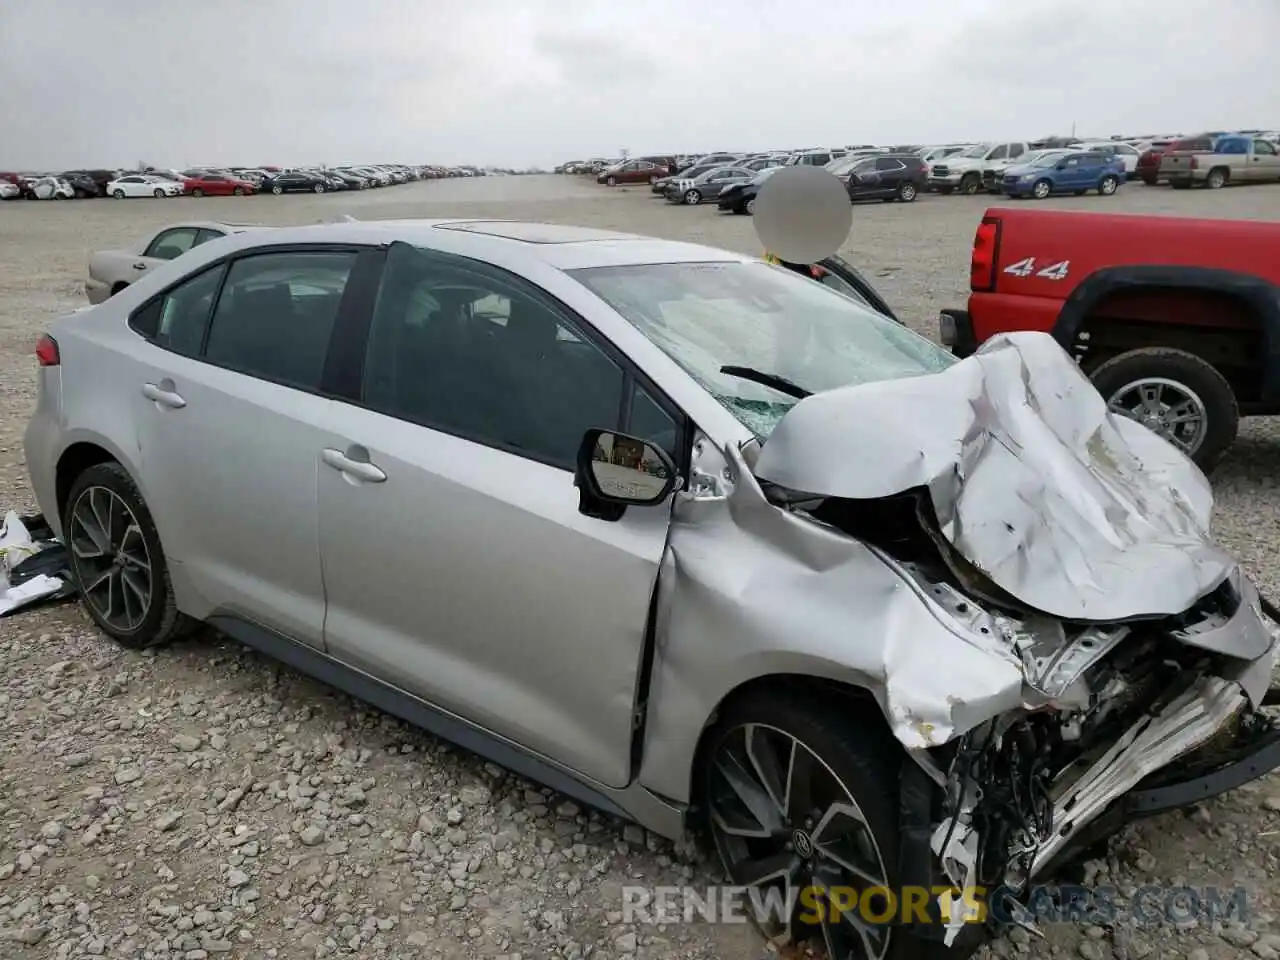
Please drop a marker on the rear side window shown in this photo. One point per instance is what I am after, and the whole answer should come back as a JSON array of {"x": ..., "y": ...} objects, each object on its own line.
[
  {"x": 177, "y": 320},
  {"x": 275, "y": 315},
  {"x": 1193, "y": 143}
]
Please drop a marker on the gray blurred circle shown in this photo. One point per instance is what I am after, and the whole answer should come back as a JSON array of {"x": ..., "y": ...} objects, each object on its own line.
[{"x": 802, "y": 214}]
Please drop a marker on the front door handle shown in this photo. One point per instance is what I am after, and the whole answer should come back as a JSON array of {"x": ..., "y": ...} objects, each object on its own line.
[
  {"x": 139, "y": 266},
  {"x": 356, "y": 469},
  {"x": 164, "y": 394}
]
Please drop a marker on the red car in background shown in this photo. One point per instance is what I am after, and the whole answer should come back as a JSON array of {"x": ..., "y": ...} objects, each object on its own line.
[
  {"x": 1148, "y": 170},
  {"x": 216, "y": 185}
]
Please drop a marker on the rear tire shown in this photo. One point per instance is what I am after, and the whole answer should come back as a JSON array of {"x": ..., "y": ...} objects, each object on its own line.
[
  {"x": 1042, "y": 189},
  {"x": 238, "y": 191},
  {"x": 611, "y": 182},
  {"x": 319, "y": 188},
  {"x": 907, "y": 192},
  {"x": 118, "y": 194},
  {"x": 692, "y": 198},
  {"x": 105, "y": 514},
  {"x": 197, "y": 192},
  {"x": 1190, "y": 374},
  {"x": 1217, "y": 179},
  {"x": 1109, "y": 185}
]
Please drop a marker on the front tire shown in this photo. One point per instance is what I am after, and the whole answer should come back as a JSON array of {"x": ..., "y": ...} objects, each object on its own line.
[
  {"x": 692, "y": 198},
  {"x": 238, "y": 191},
  {"x": 1217, "y": 179},
  {"x": 118, "y": 194},
  {"x": 277, "y": 190},
  {"x": 612, "y": 182},
  {"x": 796, "y": 792},
  {"x": 197, "y": 192},
  {"x": 969, "y": 184},
  {"x": 117, "y": 562},
  {"x": 1176, "y": 394},
  {"x": 319, "y": 188}
]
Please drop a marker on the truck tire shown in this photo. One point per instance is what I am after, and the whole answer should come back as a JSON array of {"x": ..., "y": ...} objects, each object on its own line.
[
  {"x": 1151, "y": 383},
  {"x": 845, "y": 767},
  {"x": 970, "y": 184},
  {"x": 1217, "y": 178}
]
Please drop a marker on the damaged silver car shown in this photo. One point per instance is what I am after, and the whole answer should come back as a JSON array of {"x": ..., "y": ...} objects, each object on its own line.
[{"x": 683, "y": 534}]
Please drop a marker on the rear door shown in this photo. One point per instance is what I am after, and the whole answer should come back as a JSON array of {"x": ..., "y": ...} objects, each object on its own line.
[
  {"x": 231, "y": 417},
  {"x": 457, "y": 564}
]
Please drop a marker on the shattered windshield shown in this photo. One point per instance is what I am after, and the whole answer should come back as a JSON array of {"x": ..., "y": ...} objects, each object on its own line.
[{"x": 707, "y": 316}]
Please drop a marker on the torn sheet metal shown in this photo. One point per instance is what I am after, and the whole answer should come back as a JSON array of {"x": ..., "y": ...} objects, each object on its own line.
[{"x": 1075, "y": 512}]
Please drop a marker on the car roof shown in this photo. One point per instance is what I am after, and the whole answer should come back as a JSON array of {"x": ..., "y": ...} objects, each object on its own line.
[{"x": 505, "y": 242}]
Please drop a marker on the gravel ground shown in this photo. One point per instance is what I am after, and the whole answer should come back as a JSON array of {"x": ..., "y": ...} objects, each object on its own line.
[{"x": 202, "y": 802}]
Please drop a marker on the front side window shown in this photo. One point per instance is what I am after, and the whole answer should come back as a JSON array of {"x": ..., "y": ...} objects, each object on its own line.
[
  {"x": 464, "y": 348},
  {"x": 275, "y": 315},
  {"x": 706, "y": 316}
]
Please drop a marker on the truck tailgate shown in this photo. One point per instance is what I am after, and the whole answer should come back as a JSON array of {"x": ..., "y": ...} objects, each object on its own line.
[{"x": 1176, "y": 162}]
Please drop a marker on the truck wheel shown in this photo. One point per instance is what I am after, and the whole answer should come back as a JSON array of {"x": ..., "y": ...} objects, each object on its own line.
[
  {"x": 799, "y": 798},
  {"x": 1217, "y": 179},
  {"x": 1178, "y": 395},
  {"x": 970, "y": 183}
]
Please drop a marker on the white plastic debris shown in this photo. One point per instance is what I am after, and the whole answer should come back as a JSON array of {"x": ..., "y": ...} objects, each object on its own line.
[{"x": 17, "y": 545}]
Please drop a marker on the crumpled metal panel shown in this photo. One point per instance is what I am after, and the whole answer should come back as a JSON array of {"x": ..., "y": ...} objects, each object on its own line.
[
  {"x": 1076, "y": 512},
  {"x": 748, "y": 590}
]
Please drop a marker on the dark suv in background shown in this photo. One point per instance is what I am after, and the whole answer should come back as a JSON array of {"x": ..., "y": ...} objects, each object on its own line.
[{"x": 889, "y": 176}]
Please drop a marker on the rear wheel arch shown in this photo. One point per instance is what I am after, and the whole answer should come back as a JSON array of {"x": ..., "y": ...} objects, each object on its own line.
[
  {"x": 1230, "y": 319},
  {"x": 75, "y": 460}
]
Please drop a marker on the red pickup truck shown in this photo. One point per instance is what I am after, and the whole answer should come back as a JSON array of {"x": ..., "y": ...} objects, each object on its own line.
[{"x": 1176, "y": 320}]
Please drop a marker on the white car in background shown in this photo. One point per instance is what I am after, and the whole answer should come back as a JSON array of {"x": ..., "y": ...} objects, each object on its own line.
[
  {"x": 1115, "y": 148},
  {"x": 9, "y": 191},
  {"x": 140, "y": 185},
  {"x": 52, "y": 188}
]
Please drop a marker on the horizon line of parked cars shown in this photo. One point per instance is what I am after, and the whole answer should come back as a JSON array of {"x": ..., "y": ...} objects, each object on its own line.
[
  {"x": 157, "y": 183},
  {"x": 1036, "y": 168}
]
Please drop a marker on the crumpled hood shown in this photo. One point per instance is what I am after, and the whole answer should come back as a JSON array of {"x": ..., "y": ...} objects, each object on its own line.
[{"x": 1073, "y": 511}]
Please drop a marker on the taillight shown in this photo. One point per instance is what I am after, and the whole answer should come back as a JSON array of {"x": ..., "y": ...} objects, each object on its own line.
[
  {"x": 47, "y": 351},
  {"x": 1193, "y": 163},
  {"x": 982, "y": 266}
]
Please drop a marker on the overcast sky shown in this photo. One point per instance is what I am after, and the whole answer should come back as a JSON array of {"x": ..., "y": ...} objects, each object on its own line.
[{"x": 539, "y": 82}]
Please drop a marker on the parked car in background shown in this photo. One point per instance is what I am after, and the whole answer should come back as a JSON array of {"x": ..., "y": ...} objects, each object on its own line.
[
  {"x": 142, "y": 185},
  {"x": 295, "y": 181},
  {"x": 89, "y": 183},
  {"x": 740, "y": 197},
  {"x": 808, "y": 626},
  {"x": 9, "y": 190},
  {"x": 660, "y": 185},
  {"x": 706, "y": 186},
  {"x": 633, "y": 171},
  {"x": 1127, "y": 153},
  {"x": 1182, "y": 349},
  {"x": 1075, "y": 171},
  {"x": 1228, "y": 160},
  {"x": 349, "y": 180},
  {"x": 111, "y": 271},
  {"x": 51, "y": 188},
  {"x": 887, "y": 177},
  {"x": 1148, "y": 168},
  {"x": 217, "y": 185},
  {"x": 761, "y": 163},
  {"x": 962, "y": 172},
  {"x": 815, "y": 158}
]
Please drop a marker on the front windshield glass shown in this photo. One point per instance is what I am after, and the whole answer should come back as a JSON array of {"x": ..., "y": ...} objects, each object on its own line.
[
  {"x": 1047, "y": 159},
  {"x": 750, "y": 314},
  {"x": 975, "y": 152}
]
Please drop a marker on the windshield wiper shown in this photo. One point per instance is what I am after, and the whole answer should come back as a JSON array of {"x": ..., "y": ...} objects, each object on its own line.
[{"x": 781, "y": 384}]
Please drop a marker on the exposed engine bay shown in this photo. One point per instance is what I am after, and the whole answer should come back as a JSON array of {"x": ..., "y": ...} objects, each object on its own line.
[{"x": 1018, "y": 788}]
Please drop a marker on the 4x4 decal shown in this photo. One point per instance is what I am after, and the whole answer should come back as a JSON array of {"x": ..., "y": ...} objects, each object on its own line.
[{"x": 1024, "y": 268}]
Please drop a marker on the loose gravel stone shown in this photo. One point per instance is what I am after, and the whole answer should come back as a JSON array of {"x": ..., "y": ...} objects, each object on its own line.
[{"x": 199, "y": 801}]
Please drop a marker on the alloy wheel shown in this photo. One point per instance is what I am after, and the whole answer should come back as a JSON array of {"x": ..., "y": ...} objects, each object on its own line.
[
  {"x": 787, "y": 828},
  {"x": 1166, "y": 407},
  {"x": 1041, "y": 190},
  {"x": 111, "y": 559}
]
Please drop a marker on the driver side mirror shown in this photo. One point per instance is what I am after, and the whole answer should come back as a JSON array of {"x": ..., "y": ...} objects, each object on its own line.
[{"x": 615, "y": 471}]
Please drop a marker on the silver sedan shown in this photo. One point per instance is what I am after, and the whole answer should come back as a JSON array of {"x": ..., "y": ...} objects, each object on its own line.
[{"x": 681, "y": 533}]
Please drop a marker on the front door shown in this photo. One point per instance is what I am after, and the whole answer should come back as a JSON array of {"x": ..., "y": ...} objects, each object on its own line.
[
  {"x": 230, "y": 425},
  {"x": 457, "y": 564}
]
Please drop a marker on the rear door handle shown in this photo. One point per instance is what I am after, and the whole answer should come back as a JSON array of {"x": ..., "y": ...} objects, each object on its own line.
[
  {"x": 164, "y": 394},
  {"x": 356, "y": 469}
]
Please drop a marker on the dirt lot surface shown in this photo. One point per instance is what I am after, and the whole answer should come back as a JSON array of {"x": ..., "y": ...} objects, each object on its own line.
[{"x": 201, "y": 802}]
